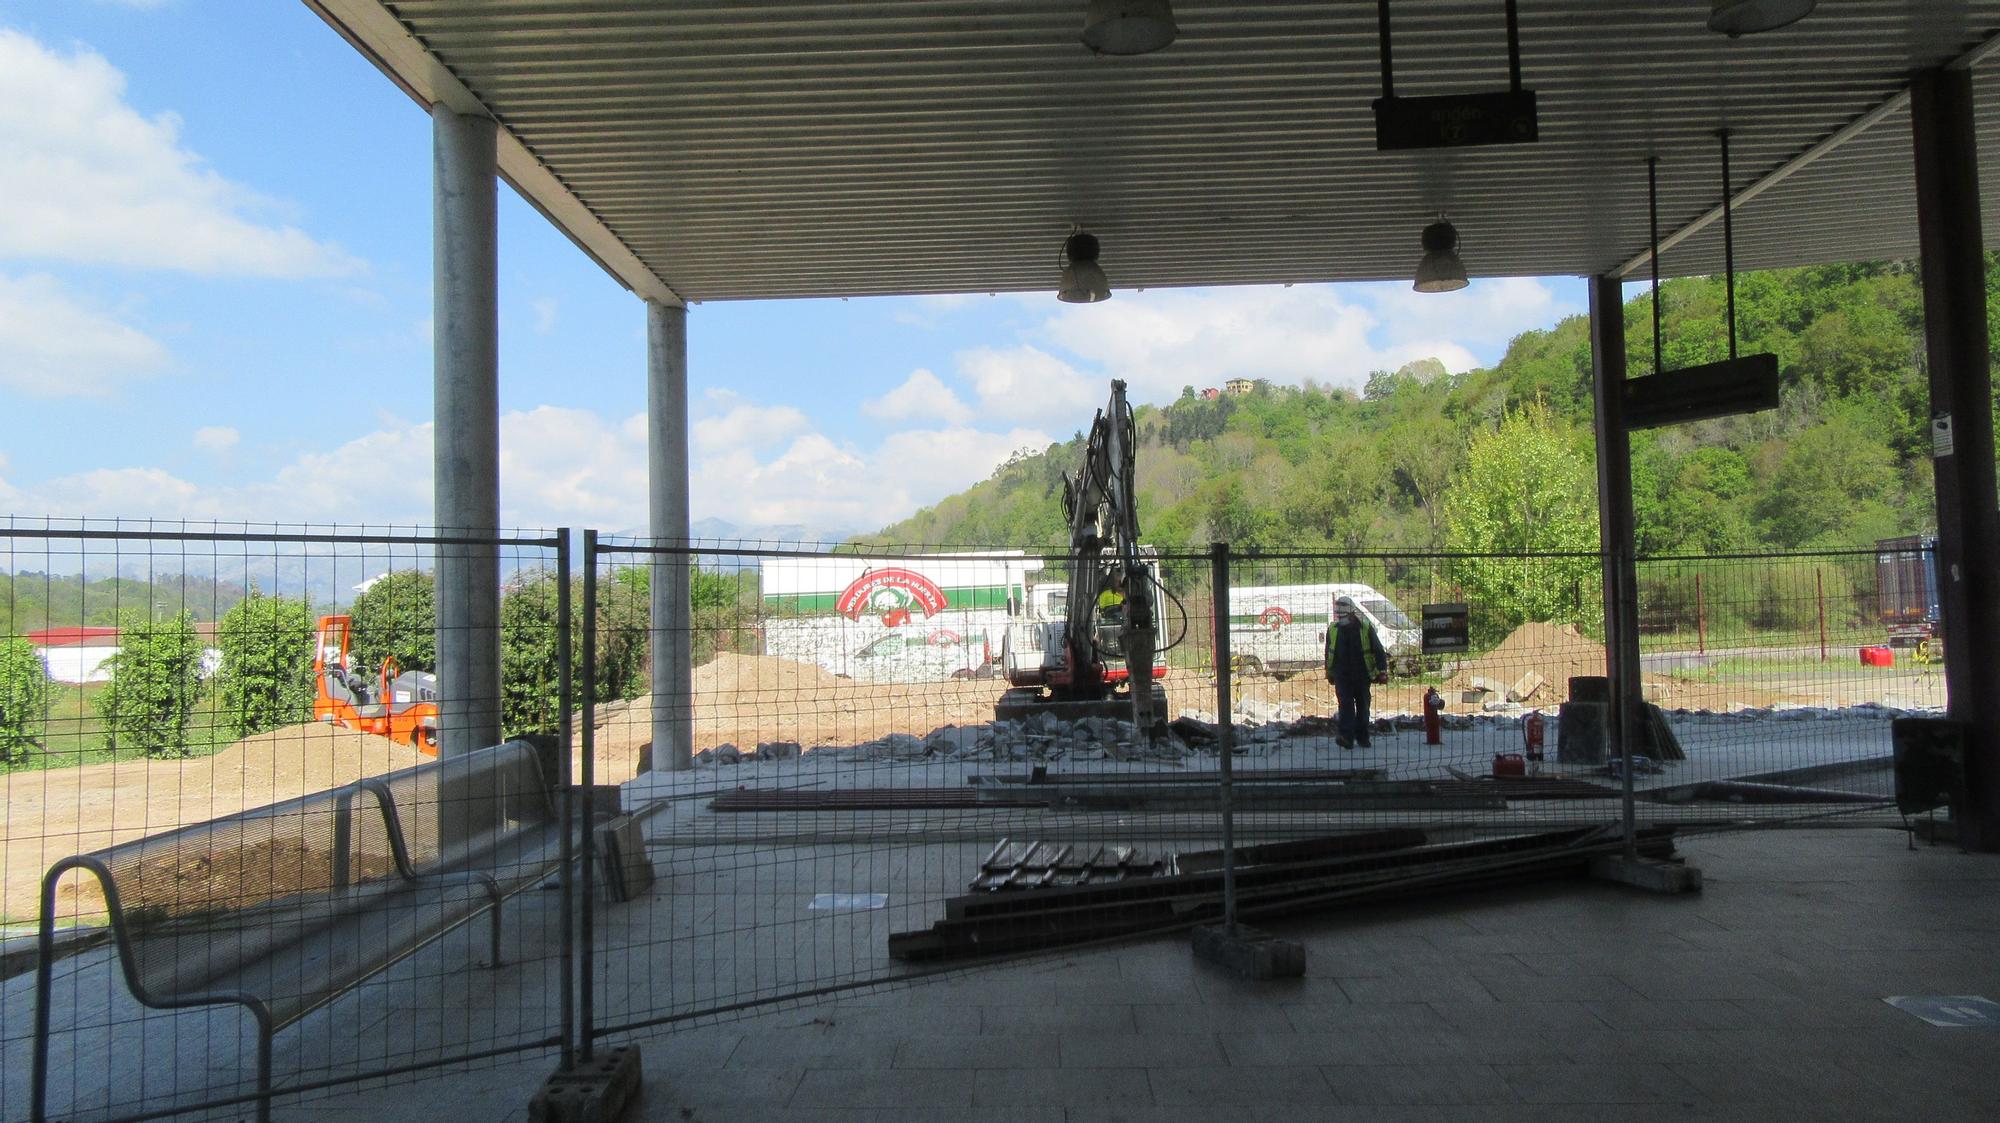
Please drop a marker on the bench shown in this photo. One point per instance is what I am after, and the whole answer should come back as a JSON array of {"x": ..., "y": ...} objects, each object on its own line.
[{"x": 281, "y": 909}]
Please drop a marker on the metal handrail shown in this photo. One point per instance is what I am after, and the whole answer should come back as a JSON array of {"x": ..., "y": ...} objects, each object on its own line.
[
  {"x": 267, "y": 1023},
  {"x": 128, "y": 963}
]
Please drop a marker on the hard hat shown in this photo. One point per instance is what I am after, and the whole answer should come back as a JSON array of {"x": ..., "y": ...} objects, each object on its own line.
[{"x": 1343, "y": 604}]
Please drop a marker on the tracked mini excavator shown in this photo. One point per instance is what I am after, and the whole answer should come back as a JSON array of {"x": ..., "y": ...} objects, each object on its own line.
[
  {"x": 394, "y": 703},
  {"x": 1096, "y": 655}
]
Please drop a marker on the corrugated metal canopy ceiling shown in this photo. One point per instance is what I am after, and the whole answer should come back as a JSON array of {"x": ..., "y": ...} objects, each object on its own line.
[{"x": 761, "y": 149}]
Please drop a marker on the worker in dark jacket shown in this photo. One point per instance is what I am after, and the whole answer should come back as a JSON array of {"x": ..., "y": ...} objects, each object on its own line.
[{"x": 1354, "y": 660}]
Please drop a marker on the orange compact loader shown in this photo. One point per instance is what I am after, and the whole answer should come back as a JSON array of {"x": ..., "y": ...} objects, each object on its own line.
[{"x": 400, "y": 706}]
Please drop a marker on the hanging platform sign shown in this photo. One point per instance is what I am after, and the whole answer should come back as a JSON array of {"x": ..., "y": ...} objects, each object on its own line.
[
  {"x": 1455, "y": 120},
  {"x": 1675, "y": 397},
  {"x": 1447, "y": 628}
]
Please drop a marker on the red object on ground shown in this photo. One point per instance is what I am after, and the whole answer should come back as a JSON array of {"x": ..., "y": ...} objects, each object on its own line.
[
  {"x": 1433, "y": 717},
  {"x": 1878, "y": 657},
  {"x": 1533, "y": 731},
  {"x": 1509, "y": 764}
]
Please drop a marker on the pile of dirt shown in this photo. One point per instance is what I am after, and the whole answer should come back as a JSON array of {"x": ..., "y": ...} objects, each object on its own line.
[
  {"x": 57, "y": 812},
  {"x": 1556, "y": 652},
  {"x": 761, "y": 675},
  {"x": 748, "y": 700},
  {"x": 305, "y": 758}
]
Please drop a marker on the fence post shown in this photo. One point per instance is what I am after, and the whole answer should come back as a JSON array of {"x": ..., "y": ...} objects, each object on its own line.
[
  {"x": 587, "y": 921},
  {"x": 1819, "y": 591},
  {"x": 1225, "y": 731},
  {"x": 1700, "y": 618},
  {"x": 1625, "y": 701},
  {"x": 566, "y": 796}
]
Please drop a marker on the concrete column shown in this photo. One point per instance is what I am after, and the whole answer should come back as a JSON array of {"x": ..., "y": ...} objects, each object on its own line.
[
  {"x": 1616, "y": 527},
  {"x": 667, "y": 479},
  {"x": 1961, "y": 385},
  {"x": 466, "y": 437}
]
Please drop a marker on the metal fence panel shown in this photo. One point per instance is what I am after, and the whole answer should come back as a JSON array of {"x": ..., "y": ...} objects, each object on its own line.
[
  {"x": 851, "y": 782},
  {"x": 323, "y": 873}
]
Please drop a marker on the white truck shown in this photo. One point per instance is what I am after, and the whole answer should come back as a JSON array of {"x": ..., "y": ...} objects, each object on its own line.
[
  {"x": 908, "y": 618},
  {"x": 1281, "y": 629}
]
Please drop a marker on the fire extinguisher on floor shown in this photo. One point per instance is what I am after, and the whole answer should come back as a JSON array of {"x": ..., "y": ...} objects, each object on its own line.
[
  {"x": 1433, "y": 717},
  {"x": 1532, "y": 733}
]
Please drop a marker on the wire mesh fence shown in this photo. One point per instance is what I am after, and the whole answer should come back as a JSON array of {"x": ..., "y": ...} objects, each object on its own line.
[
  {"x": 897, "y": 762},
  {"x": 869, "y": 771},
  {"x": 232, "y": 859}
]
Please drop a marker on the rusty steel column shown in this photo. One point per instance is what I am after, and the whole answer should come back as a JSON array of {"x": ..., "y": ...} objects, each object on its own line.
[
  {"x": 1961, "y": 385},
  {"x": 1615, "y": 526}
]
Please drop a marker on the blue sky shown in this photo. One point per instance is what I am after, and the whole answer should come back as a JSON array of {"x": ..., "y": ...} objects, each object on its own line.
[{"x": 215, "y": 304}]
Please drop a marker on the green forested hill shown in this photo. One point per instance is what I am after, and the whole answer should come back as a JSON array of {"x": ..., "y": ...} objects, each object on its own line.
[{"x": 1419, "y": 459}]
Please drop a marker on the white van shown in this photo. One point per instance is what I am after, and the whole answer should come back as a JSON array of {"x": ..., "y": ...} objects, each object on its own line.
[{"x": 1282, "y": 628}]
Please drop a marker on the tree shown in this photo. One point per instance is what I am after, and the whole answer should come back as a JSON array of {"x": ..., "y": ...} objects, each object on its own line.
[
  {"x": 24, "y": 700},
  {"x": 1527, "y": 491},
  {"x": 1834, "y": 481},
  {"x": 715, "y": 602},
  {"x": 266, "y": 678},
  {"x": 155, "y": 680},
  {"x": 397, "y": 616},
  {"x": 530, "y": 652},
  {"x": 1422, "y": 466}
]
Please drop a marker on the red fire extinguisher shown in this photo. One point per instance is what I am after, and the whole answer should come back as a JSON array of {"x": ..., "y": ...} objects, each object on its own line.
[
  {"x": 1433, "y": 717},
  {"x": 1532, "y": 733}
]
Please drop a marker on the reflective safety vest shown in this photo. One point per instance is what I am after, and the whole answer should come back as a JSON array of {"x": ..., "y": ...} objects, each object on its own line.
[{"x": 1373, "y": 658}]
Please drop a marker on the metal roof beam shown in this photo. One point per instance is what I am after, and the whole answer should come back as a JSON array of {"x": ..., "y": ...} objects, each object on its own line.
[
  {"x": 383, "y": 40},
  {"x": 1899, "y": 103}
]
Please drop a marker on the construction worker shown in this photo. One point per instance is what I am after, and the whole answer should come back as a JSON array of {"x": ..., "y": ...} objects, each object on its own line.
[
  {"x": 1354, "y": 660},
  {"x": 1111, "y": 598},
  {"x": 1111, "y": 608}
]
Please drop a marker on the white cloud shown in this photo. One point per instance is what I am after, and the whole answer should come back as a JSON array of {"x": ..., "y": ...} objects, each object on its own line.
[
  {"x": 216, "y": 438},
  {"x": 929, "y": 311},
  {"x": 817, "y": 482},
  {"x": 1030, "y": 385},
  {"x": 1162, "y": 340},
  {"x": 52, "y": 345},
  {"x": 1485, "y": 314},
  {"x": 88, "y": 179},
  {"x": 545, "y": 309},
  {"x": 921, "y": 395},
  {"x": 733, "y": 422},
  {"x": 565, "y": 467}
]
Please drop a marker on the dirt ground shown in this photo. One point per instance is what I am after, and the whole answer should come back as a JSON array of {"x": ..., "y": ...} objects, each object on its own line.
[
  {"x": 53, "y": 813},
  {"x": 749, "y": 700}
]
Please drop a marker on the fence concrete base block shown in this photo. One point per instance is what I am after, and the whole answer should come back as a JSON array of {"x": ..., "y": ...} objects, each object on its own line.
[
  {"x": 1649, "y": 874},
  {"x": 1249, "y": 952},
  {"x": 599, "y": 1090}
]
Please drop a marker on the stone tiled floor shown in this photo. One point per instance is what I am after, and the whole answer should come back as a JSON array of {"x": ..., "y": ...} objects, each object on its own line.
[{"x": 1759, "y": 999}]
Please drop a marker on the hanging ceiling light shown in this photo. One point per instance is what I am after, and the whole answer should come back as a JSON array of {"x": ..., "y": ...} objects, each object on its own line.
[
  {"x": 1128, "y": 27},
  {"x": 1748, "y": 17},
  {"x": 1440, "y": 270},
  {"x": 1083, "y": 280}
]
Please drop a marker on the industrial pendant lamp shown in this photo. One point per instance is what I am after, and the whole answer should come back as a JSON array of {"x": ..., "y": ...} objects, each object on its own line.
[
  {"x": 1748, "y": 17},
  {"x": 1440, "y": 270},
  {"x": 1083, "y": 280},
  {"x": 1128, "y": 27}
]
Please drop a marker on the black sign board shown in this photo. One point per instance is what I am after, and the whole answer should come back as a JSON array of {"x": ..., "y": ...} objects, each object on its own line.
[
  {"x": 1447, "y": 628},
  {"x": 1673, "y": 397},
  {"x": 1455, "y": 120}
]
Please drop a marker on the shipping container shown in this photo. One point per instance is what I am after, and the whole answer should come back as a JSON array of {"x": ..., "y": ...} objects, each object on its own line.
[{"x": 1906, "y": 593}]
